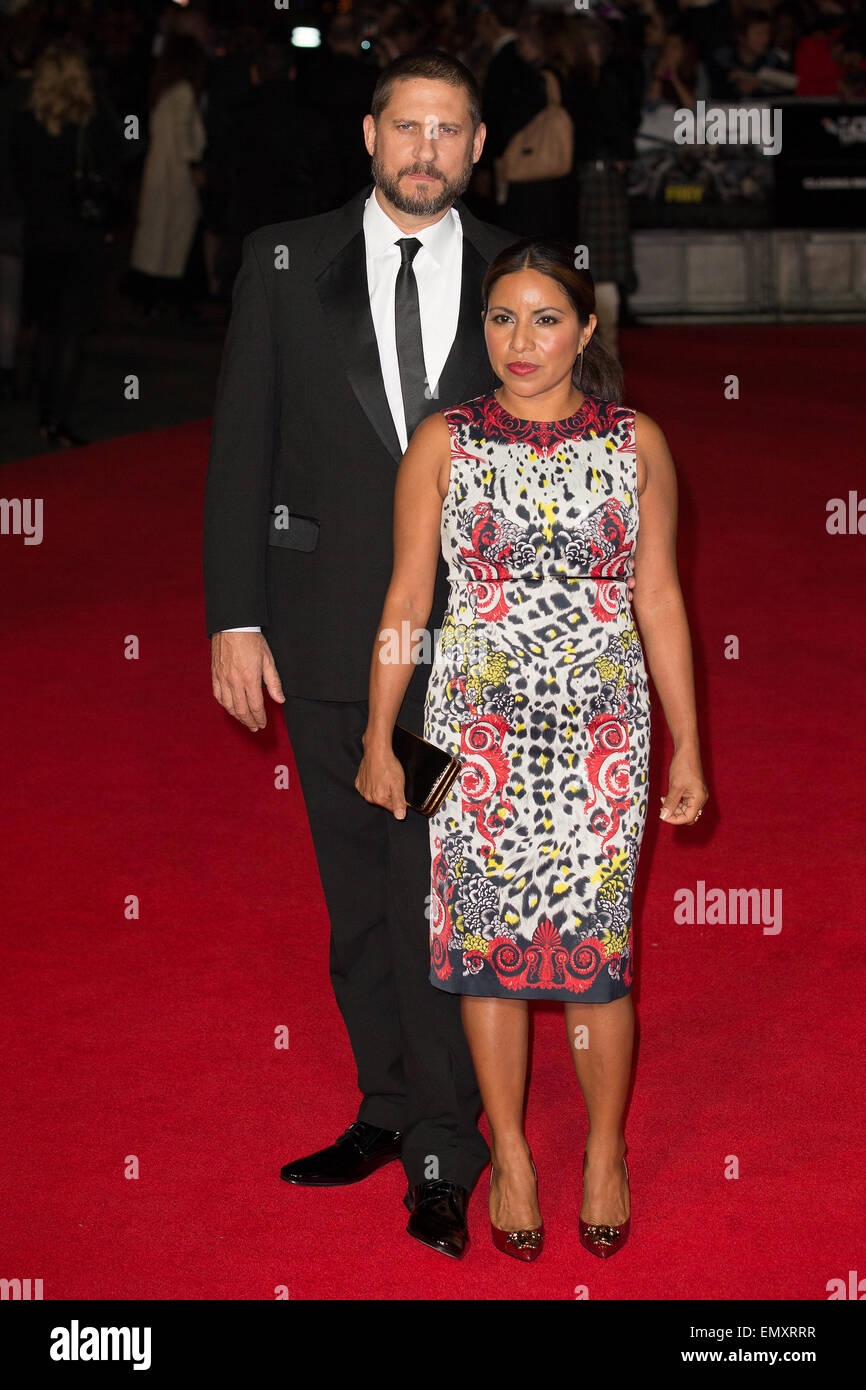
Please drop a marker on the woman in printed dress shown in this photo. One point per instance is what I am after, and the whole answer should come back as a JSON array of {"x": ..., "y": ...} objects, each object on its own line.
[{"x": 546, "y": 496}]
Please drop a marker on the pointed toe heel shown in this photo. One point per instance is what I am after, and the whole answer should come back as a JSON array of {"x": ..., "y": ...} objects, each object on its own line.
[
  {"x": 604, "y": 1241},
  {"x": 522, "y": 1245}
]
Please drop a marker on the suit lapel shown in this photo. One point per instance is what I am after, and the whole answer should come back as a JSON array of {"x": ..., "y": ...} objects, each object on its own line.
[
  {"x": 345, "y": 299},
  {"x": 344, "y": 296}
]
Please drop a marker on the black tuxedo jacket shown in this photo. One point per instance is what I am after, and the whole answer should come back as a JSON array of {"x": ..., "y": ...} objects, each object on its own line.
[{"x": 301, "y": 422}]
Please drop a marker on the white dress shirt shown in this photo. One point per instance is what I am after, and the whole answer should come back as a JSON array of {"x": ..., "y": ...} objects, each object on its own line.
[{"x": 438, "y": 267}]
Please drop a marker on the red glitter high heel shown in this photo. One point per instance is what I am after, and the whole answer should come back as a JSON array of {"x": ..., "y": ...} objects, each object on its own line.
[
  {"x": 604, "y": 1241},
  {"x": 520, "y": 1245}
]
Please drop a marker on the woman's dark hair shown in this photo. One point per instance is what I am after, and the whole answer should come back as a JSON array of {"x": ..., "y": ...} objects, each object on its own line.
[
  {"x": 554, "y": 34},
  {"x": 182, "y": 59},
  {"x": 588, "y": 29},
  {"x": 601, "y": 374},
  {"x": 688, "y": 69},
  {"x": 436, "y": 66}
]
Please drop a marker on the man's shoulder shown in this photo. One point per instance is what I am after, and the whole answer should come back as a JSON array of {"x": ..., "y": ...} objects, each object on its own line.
[
  {"x": 299, "y": 231},
  {"x": 502, "y": 236},
  {"x": 487, "y": 236},
  {"x": 306, "y": 235}
]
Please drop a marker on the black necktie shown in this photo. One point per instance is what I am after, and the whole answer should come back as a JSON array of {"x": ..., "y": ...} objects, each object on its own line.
[{"x": 410, "y": 347}]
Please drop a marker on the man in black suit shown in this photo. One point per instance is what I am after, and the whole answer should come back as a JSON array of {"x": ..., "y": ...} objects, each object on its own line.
[{"x": 347, "y": 328}]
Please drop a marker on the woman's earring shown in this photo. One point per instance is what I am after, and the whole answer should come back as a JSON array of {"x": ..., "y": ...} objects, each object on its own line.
[{"x": 580, "y": 368}]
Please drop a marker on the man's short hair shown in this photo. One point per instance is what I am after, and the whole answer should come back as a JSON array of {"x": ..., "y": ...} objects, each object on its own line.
[{"x": 435, "y": 65}]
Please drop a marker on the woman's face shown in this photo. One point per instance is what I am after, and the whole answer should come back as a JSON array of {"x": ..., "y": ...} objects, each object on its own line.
[
  {"x": 527, "y": 46},
  {"x": 530, "y": 319},
  {"x": 654, "y": 32}
]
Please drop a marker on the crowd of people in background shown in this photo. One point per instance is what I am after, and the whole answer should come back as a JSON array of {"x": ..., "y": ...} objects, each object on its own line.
[{"x": 183, "y": 128}]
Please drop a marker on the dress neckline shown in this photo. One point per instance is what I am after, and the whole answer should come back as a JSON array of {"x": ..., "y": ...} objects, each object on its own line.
[{"x": 516, "y": 420}]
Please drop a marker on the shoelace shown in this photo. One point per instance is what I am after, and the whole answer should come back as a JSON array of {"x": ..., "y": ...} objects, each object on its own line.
[
  {"x": 354, "y": 1133},
  {"x": 351, "y": 1133},
  {"x": 440, "y": 1187}
]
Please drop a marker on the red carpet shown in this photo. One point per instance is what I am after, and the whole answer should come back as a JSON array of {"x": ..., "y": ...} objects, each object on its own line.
[{"x": 153, "y": 1039}]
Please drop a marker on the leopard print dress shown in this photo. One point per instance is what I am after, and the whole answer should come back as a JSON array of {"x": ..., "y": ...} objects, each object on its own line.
[{"x": 539, "y": 685}]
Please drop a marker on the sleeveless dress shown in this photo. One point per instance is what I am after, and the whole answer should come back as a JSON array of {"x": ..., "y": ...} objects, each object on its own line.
[{"x": 538, "y": 684}]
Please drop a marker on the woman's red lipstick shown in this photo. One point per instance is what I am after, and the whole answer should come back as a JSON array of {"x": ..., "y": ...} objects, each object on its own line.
[{"x": 522, "y": 368}]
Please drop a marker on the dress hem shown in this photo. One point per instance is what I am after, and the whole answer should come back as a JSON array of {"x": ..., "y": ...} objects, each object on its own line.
[{"x": 559, "y": 996}]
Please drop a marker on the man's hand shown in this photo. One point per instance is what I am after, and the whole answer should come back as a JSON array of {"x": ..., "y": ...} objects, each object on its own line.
[{"x": 240, "y": 662}]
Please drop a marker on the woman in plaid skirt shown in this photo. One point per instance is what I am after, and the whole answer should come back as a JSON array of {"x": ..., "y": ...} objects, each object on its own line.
[{"x": 604, "y": 143}]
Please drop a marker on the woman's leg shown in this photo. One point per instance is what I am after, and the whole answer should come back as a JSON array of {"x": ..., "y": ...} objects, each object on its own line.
[
  {"x": 497, "y": 1031},
  {"x": 601, "y": 1037}
]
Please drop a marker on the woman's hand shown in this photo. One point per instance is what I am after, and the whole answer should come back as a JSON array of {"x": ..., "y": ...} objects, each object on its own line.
[
  {"x": 687, "y": 792},
  {"x": 382, "y": 781}
]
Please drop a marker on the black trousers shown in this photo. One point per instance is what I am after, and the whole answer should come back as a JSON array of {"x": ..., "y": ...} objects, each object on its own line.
[{"x": 414, "y": 1065}]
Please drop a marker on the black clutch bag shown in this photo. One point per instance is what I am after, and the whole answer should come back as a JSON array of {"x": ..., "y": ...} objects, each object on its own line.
[{"x": 430, "y": 772}]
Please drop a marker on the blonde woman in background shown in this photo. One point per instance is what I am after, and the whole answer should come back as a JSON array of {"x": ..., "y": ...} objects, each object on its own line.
[{"x": 65, "y": 257}]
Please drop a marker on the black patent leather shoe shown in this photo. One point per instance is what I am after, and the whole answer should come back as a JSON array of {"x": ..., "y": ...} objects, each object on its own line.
[
  {"x": 439, "y": 1217},
  {"x": 358, "y": 1152}
]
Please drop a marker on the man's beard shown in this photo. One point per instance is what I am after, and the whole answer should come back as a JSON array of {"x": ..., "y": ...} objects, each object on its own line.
[{"x": 425, "y": 202}]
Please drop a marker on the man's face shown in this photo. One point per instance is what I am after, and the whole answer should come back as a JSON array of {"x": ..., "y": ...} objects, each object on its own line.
[
  {"x": 757, "y": 37},
  {"x": 423, "y": 149}
]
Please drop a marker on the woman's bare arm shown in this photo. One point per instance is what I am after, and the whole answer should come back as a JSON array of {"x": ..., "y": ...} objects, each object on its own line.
[
  {"x": 419, "y": 491},
  {"x": 661, "y": 615}
]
